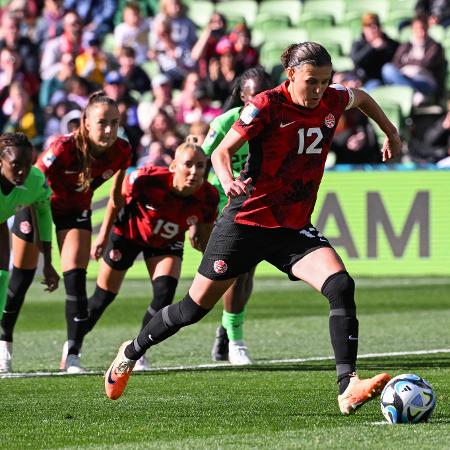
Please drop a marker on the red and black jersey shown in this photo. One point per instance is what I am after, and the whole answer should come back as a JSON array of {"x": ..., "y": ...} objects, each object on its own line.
[
  {"x": 62, "y": 166},
  {"x": 154, "y": 215},
  {"x": 288, "y": 147}
]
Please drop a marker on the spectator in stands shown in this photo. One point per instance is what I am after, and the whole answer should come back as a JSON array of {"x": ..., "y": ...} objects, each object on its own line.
[
  {"x": 135, "y": 78},
  {"x": 419, "y": 63},
  {"x": 174, "y": 59},
  {"x": 438, "y": 11},
  {"x": 19, "y": 114},
  {"x": 96, "y": 16},
  {"x": 202, "y": 110},
  {"x": 183, "y": 30},
  {"x": 133, "y": 31},
  {"x": 354, "y": 141},
  {"x": 50, "y": 22},
  {"x": 205, "y": 47},
  {"x": 91, "y": 63},
  {"x": 12, "y": 39},
  {"x": 246, "y": 55},
  {"x": 185, "y": 101},
  {"x": 162, "y": 100},
  {"x": 222, "y": 71},
  {"x": 373, "y": 49},
  {"x": 68, "y": 42}
]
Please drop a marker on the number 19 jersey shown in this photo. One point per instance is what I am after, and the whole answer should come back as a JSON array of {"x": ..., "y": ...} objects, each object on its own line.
[{"x": 288, "y": 147}]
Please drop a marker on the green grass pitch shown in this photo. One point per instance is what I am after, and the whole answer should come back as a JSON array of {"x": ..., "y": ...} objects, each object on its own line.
[{"x": 286, "y": 400}]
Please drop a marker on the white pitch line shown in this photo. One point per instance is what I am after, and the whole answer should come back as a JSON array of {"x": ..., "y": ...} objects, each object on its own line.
[{"x": 227, "y": 366}]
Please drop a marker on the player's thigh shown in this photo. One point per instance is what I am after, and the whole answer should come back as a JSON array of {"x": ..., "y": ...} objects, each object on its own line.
[
  {"x": 164, "y": 265},
  {"x": 25, "y": 253},
  {"x": 315, "y": 267},
  {"x": 74, "y": 246},
  {"x": 206, "y": 292},
  {"x": 110, "y": 279}
]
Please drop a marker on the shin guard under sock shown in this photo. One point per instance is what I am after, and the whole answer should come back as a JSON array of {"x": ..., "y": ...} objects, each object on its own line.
[{"x": 97, "y": 305}]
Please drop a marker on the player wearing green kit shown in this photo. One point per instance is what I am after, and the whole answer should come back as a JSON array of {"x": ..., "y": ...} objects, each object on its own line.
[
  {"x": 21, "y": 185},
  {"x": 229, "y": 342}
]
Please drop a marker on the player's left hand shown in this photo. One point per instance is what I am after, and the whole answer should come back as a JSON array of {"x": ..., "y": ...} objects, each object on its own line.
[
  {"x": 51, "y": 278},
  {"x": 392, "y": 147}
]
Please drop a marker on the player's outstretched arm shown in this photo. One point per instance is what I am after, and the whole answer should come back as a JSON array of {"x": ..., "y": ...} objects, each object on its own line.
[{"x": 392, "y": 144}]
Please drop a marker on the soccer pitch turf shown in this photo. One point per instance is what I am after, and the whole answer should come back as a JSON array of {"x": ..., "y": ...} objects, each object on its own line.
[{"x": 286, "y": 400}]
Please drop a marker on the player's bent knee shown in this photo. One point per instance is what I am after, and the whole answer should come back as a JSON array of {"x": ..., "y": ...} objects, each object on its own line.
[
  {"x": 183, "y": 313},
  {"x": 339, "y": 289}
]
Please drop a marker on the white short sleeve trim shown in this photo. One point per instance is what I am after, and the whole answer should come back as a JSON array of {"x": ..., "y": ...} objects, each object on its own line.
[{"x": 351, "y": 98}]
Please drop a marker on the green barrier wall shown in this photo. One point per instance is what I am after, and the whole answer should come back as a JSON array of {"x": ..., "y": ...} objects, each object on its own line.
[{"x": 381, "y": 222}]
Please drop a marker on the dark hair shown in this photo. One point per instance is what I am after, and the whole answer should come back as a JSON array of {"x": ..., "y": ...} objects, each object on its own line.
[
  {"x": 305, "y": 53},
  {"x": 82, "y": 139},
  {"x": 258, "y": 74},
  {"x": 18, "y": 140}
]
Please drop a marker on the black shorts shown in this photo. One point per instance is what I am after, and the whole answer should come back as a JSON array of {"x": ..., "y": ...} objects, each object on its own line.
[
  {"x": 23, "y": 225},
  {"x": 80, "y": 220},
  {"x": 121, "y": 252},
  {"x": 233, "y": 249}
]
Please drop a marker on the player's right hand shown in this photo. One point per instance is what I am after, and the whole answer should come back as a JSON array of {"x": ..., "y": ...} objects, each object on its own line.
[
  {"x": 237, "y": 188},
  {"x": 98, "y": 248}
]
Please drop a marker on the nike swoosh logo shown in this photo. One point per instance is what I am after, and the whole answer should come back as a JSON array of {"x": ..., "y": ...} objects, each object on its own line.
[
  {"x": 77, "y": 319},
  {"x": 351, "y": 338},
  {"x": 151, "y": 208},
  {"x": 82, "y": 219},
  {"x": 283, "y": 125},
  {"x": 110, "y": 380}
]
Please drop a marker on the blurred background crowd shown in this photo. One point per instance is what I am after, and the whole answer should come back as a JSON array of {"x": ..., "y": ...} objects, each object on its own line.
[{"x": 172, "y": 65}]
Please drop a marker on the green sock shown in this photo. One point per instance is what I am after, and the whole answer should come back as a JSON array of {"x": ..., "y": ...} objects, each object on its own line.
[
  {"x": 4, "y": 276},
  {"x": 233, "y": 323}
]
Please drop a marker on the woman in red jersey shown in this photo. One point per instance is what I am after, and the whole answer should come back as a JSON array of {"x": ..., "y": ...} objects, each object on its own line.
[
  {"x": 161, "y": 204},
  {"x": 289, "y": 130},
  {"x": 75, "y": 165}
]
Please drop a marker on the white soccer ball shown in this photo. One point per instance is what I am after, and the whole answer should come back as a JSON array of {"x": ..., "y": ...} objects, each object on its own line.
[{"x": 407, "y": 398}]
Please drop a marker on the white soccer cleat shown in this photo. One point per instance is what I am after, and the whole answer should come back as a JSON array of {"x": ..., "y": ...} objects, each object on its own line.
[
  {"x": 142, "y": 364},
  {"x": 73, "y": 365},
  {"x": 238, "y": 354},
  {"x": 5, "y": 356}
]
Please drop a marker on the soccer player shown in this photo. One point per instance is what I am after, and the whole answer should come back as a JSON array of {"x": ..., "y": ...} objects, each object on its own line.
[
  {"x": 75, "y": 165},
  {"x": 289, "y": 130},
  {"x": 21, "y": 185},
  {"x": 229, "y": 341},
  {"x": 160, "y": 205}
]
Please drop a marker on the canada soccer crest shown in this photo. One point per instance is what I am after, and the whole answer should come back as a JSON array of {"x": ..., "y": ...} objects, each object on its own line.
[
  {"x": 115, "y": 255},
  {"x": 25, "y": 227},
  {"x": 330, "y": 121},
  {"x": 220, "y": 266}
]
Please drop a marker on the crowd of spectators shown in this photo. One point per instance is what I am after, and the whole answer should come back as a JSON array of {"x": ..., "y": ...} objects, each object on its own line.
[{"x": 171, "y": 78}]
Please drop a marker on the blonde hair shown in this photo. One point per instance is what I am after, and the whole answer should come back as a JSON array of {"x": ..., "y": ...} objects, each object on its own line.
[
  {"x": 82, "y": 138},
  {"x": 190, "y": 143}
]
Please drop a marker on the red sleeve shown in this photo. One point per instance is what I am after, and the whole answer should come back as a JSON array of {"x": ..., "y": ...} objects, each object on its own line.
[
  {"x": 132, "y": 183},
  {"x": 254, "y": 117},
  {"x": 52, "y": 158}
]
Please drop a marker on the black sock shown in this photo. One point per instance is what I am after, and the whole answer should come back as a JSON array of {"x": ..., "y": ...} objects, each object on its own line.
[
  {"x": 164, "y": 288},
  {"x": 340, "y": 291},
  {"x": 19, "y": 283},
  {"x": 97, "y": 305},
  {"x": 164, "y": 324},
  {"x": 76, "y": 308}
]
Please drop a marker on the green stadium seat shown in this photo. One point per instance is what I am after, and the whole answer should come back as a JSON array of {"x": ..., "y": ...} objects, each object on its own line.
[
  {"x": 109, "y": 43},
  {"x": 291, "y": 8},
  {"x": 151, "y": 68},
  {"x": 270, "y": 54},
  {"x": 437, "y": 32},
  {"x": 246, "y": 8},
  {"x": 343, "y": 63},
  {"x": 395, "y": 18},
  {"x": 400, "y": 95},
  {"x": 286, "y": 37},
  {"x": 393, "y": 112},
  {"x": 200, "y": 12},
  {"x": 352, "y": 20},
  {"x": 332, "y": 36},
  {"x": 406, "y": 6},
  {"x": 334, "y": 7},
  {"x": 380, "y": 7},
  {"x": 316, "y": 20},
  {"x": 271, "y": 21}
]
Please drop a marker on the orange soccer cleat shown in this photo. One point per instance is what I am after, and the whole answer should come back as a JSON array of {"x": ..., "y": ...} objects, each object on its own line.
[
  {"x": 116, "y": 377},
  {"x": 359, "y": 392}
]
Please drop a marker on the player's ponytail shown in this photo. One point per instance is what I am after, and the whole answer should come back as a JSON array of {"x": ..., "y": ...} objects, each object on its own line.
[{"x": 82, "y": 138}]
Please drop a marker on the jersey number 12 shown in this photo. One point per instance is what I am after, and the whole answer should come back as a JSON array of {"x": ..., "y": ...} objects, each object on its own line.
[{"x": 313, "y": 147}]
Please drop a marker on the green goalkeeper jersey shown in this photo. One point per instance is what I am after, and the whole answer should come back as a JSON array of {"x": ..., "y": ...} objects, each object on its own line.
[
  {"x": 218, "y": 128},
  {"x": 34, "y": 192}
]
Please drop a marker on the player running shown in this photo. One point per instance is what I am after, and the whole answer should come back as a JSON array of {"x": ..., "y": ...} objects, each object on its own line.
[
  {"x": 289, "y": 130},
  {"x": 21, "y": 185},
  {"x": 229, "y": 341},
  {"x": 160, "y": 206}
]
